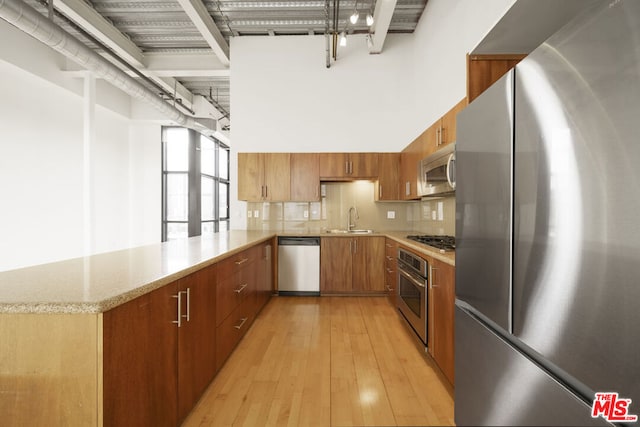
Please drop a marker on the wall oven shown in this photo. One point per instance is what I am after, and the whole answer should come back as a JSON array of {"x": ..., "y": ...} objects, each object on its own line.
[{"x": 412, "y": 291}]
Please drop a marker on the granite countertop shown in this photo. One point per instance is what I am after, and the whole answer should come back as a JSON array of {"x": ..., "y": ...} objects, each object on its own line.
[{"x": 97, "y": 283}]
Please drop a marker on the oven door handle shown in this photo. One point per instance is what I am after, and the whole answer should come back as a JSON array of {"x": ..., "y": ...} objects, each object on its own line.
[{"x": 411, "y": 278}]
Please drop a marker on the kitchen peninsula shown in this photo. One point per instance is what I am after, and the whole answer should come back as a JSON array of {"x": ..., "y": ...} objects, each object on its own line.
[{"x": 66, "y": 327}]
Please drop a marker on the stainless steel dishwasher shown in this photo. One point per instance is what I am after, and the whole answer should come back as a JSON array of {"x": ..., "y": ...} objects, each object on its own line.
[{"x": 299, "y": 265}]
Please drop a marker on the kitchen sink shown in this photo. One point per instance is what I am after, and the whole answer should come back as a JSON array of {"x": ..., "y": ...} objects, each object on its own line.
[{"x": 343, "y": 231}]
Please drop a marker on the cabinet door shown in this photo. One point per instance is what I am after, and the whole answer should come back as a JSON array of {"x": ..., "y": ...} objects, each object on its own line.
[
  {"x": 305, "y": 177},
  {"x": 196, "y": 338},
  {"x": 264, "y": 276},
  {"x": 333, "y": 165},
  {"x": 430, "y": 139},
  {"x": 368, "y": 264},
  {"x": 443, "y": 294},
  {"x": 448, "y": 124},
  {"x": 409, "y": 159},
  {"x": 362, "y": 165},
  {"x": 391, "y": 270},
  {"x": 140, "y": 361},
  {"x": 250, "y": 177},
  {"x": 335, "y": 264},
  {"x": 277, "y": 176},
  {"x": 388, "y": 183}
]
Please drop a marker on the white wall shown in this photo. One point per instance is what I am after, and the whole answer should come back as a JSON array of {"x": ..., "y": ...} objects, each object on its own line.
[
  {"x": 283, "y": 98},
  {"x": 42, "y": 155}
]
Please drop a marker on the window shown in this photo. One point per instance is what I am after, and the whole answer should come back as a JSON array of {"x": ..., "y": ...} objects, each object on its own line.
[{"x": 195, "y": 184}]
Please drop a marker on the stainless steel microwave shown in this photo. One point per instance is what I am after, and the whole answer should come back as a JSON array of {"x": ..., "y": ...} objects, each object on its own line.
[{"x": 438, "y": 173}]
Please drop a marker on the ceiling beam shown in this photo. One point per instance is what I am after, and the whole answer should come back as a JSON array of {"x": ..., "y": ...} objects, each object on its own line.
[
  {"x": 199, "y": 14},
  {"x": 103, "y": 30},
  {"x": 190, "y": 64},
  {"x": 381, "y": 21}
]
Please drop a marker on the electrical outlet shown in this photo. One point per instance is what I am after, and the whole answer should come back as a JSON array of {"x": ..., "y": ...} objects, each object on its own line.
[
  {"x": 391, "y": 214},
  {"x": 305, "y": 214},
  {"x": 256, "y": 213},
  {"x": 249, "y": 214}
]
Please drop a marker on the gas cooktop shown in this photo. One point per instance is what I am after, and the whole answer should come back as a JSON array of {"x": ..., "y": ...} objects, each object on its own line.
[{"x": 444, "y": 243}]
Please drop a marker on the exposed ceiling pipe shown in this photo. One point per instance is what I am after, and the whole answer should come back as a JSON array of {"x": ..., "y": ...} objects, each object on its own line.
[{"x": 27, "y": 19}]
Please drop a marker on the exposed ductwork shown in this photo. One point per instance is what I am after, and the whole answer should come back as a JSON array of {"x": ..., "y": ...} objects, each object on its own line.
[{"x": 27, "y": 19}]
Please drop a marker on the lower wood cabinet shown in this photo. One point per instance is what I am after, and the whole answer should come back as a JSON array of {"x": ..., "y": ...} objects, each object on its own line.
[
  {"x": 391, "y": 270},
  {"x": 353, "y": 264},
  {"x": 140, "y": 361},
  {"x": 196, "y": 338},
  {"x": 154, "y": 368},
  {"x": 442, "y": 293}
]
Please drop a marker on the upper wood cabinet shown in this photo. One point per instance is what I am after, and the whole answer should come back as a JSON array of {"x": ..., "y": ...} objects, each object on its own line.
[
  {"x": 409, "y": 158},
  {"x": 447, "y": 133},
  {"x": 484, "y": 70},
  {"x": 348, "y": 166},
  {"x": 387, "y": 187},
  {"x": 305, "y": 177},
  {"x": 443, "y": 131},
  {"x": 263, "y": 176},
  {"x": 439, "y": 134}
]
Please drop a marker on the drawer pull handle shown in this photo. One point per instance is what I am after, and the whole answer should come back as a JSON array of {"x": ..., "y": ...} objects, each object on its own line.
[
  {"x": 242, "y": 261},
  {"x": 240, "y": 289},
  {"x": 389, "y": 288},
  {"x": 242, "y": 321},
  {"x": 389, "y": 270},
  {"x": 390, "y": 258}
]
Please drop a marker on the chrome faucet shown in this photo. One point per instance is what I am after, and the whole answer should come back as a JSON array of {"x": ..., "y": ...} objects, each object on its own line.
[{"x": 351, "y": 224}]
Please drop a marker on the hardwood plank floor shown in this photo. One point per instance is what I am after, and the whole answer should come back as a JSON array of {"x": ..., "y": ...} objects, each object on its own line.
[{"x": 326, "y": 361}]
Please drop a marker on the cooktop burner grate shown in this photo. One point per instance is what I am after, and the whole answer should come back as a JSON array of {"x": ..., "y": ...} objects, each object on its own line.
[{"x": 447, "y": 243}]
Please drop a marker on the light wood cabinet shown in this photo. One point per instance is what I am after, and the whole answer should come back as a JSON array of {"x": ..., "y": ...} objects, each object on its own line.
[
  {"x": 391, "y": 270},
  {"x": 409, "y": 159},
  {"x": 348, "y": 166},
  {"x": 387, "y": 187},
  {"x": 443, "y": 131},
  {"x": 264, "y": 279},
  {"x": 305, "y": 177},
  {"x": 441, "y": 316},
  {"x": 263, "y": 176},
  {"x": 447, "y": 133},
  {"x": 484, "y": 70},
  {"x": 352, "y": 264},
  {"x": 336, "y": 265}
]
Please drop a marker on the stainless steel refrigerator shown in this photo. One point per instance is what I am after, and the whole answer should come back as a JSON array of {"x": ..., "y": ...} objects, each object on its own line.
[{"x": 548, "y": 231}]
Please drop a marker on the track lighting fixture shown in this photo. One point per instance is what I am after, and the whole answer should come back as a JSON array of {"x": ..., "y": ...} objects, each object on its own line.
[
  {"x": 369, "y": 19},
  {"x": 354, "y": 17},
  {"x": 343, "y": 39}
]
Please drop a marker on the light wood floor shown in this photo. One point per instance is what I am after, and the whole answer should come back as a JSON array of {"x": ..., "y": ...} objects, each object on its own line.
[{"x": 326, "y": 361}]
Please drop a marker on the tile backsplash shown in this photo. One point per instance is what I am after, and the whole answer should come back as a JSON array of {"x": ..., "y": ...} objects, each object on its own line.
[{"x": 429, "y": 216}]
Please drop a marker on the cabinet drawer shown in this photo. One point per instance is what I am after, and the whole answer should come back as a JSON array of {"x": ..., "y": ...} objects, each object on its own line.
[
  {"x": 230, "y": 292},
  {"x": 229, "y": 266},
  {"x": 229, "y": 333}
]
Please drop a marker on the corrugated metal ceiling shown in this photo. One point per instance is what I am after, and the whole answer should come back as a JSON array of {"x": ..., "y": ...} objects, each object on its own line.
[{"x": 163, "y": 27}]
